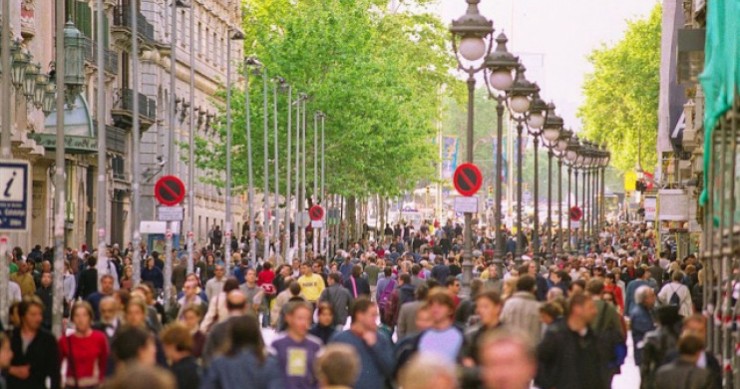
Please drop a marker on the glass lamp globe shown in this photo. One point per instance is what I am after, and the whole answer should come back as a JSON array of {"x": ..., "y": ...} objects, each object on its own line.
[
  {"x": 536, "y": 120},
  {"x": 519, "y": 104},
  {"x": 562, "y": 145},
  {"x": 551, "y": 134},
  {"x": 501, "y": 79},
  {"x": 571, "y": 155},
  {"x": 472, "y": 48}
]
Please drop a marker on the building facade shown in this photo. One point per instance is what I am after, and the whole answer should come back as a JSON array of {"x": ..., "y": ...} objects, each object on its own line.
[{"x": 33, "y": 129}]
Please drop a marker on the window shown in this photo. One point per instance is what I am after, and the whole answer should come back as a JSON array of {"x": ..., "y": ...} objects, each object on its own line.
[
  {"x": 215, "y": 50},
  {"x": 207, "y": 50},
  {"x": 199, "y": 37}
]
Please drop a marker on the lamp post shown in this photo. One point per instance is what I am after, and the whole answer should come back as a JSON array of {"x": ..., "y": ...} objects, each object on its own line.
[
  {"x": 70, "y": 78},
  {"x": 234, "y": 35},
  {"x": 500, "y": 64},
  {"x": 251, "y": 65},
  {"x": 136, "y": 145},
  {"x": 604, "y": 164},
  {"x": 519, "y": 106},
  {"x": 469, "y": 35},
  {"x": 288, "y": 165},
  {"x": 562, "y": 147},
  {"x": 550, "y": 133},
  {"x": 570, "y": 156},
  {"x": 535, "y": 122}
]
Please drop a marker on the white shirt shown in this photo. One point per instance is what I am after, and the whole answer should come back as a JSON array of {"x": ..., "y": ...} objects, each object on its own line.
[{"x": 14, "y": 292}]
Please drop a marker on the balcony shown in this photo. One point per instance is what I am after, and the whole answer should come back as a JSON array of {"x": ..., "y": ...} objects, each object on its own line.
[
  {"x": 123, "y": 110},
  {"x": 91, "y": 56},
  {"x": 122, "y": 24}
]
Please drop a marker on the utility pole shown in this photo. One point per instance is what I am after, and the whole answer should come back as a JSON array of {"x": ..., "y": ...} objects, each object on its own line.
[{"x": 136, "y": 143}]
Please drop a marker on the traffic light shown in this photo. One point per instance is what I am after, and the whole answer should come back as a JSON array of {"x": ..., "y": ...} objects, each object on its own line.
[{"x": 490, "y": 190}]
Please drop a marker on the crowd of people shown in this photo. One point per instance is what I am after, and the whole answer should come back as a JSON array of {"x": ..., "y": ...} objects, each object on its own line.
[{"x": 380, "y": 314}]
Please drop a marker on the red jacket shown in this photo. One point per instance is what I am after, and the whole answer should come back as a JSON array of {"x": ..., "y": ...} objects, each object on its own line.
[{"x": 265, "y": 277}]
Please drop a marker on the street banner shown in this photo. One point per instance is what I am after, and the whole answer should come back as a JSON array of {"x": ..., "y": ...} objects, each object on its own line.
[{"x": 450, "y": 147}]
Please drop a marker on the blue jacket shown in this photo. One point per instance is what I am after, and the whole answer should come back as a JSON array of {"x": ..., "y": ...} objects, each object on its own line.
[
  {"x": 629, "y": 297},
  {"x": 242, "y": 370},
  {"x": 641, "y": 322},
  {"x": 376, "y": 361}
]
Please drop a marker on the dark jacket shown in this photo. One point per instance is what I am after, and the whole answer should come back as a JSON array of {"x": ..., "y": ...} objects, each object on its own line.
[
  {"x": 683, "y": 374},
  {"x": 363, "y": 287},
  {"x": 153, "y": 275},
  {"x": 187, "y": 373},
  {"x": 340, "y": 300},
  {"x": 42, "y": 355},
  {"x": 567, "y": 360},
  {"x": 46, "y": 295},
  {"x": 88, "y": 283}
]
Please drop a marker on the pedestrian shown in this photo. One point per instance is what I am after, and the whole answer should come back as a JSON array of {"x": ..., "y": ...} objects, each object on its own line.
[
  {"x": 217, "y": 311},
  {"x": 133, "y": 346},
  {"x": 507, "y": 360},
  {"x": 683, "y": 372},
  {"x": 218, "y": 335},
  {"x": 178, "y": 347},
  {"x": 6, "y": 355},
  {"x": 215, "y": 285},
  {"x": 106, "y": 289},
  {"x": 311, "y": 284},
  {"x": 337, "y": 367},
  {"x": 678, "y": 294},
  {"x": 522, "y": 310},
  {"x": 46, "y": 294},
  {"x": 407, "y": 314},
  {"x": 373, "y": 348},
  {"x": 356, "y": 285},
  {"x": 324, "y": 328},
  {"x": 296, "y": 350},
  {"x": 35, "y": 351},
  {"x": 641, "y": 320},
  {"x": 85, "y": 351},
  {"x": 339, "y": 298},
  {"x": 245, "y": 364},
  {"x": 569, "y": 357},
  {"x": 488, "y": 306},
  {"x": 142, "y": 376},
  {"x": 427, "y": 372}
]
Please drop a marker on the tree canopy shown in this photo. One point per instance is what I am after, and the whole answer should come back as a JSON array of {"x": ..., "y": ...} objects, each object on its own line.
[
  {"x": 377, "y": 74},
  {"x": 621, "y": 95}
]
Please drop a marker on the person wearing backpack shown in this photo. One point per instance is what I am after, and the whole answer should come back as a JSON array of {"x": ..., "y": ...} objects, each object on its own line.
[
  {"x": 386, "y": 285},
  {"x": 677, "y": 294}
]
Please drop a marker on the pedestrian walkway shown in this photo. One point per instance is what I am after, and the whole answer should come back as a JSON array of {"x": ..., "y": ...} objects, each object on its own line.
[{"x": 630, "y": 376}]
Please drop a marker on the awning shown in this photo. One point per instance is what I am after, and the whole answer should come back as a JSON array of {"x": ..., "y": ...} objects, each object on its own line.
[{"x": 79, "y": 132}]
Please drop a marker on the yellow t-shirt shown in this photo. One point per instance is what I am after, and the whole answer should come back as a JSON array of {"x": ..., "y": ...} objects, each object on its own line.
[{"x": 311, "y": 287}]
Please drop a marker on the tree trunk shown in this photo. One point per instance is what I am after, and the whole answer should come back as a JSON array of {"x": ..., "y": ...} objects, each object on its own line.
[{"x": 351, "y": 218}]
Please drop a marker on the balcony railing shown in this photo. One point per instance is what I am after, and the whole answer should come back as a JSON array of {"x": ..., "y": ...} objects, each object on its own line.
[
  {"x": 91, "y": 55},
  {"x": 124, "y": 106},
  {"x": 122, "y": 18}
]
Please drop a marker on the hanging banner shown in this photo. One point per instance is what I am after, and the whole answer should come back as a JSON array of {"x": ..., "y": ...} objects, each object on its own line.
[
  {"x": 650, "y": 206},
  {"x": 449, "y": 156}
]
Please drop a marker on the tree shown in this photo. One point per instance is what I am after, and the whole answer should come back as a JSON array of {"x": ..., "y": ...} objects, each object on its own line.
[
  {"x": 377, "y": 75},
  {"x": 621, "y": 102}
]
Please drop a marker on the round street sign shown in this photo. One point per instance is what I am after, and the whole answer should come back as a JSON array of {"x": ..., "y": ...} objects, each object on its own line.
[
  {"x": 467, "y": 179},
  {"x": 316, "y": 213},
  {"x": 169, "y": 191},
  {"x": 575, "y": 214}
]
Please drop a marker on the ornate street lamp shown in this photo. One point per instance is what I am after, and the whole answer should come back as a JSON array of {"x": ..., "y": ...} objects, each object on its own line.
[
  {"x": 20, "y": 65},
  {"x": 74, "y": 62},
  {"x": 535, "y": 121},
  {"x": 29, "y": 82},
  {"x": 550, "y": 134},
  {"x": 519, "y": 104},
  {"x": 500, "y": 65},
  {"x": 561, "y": 148},
  {"x": 42, "y": 80},
  {"x": 571, "y": 155},
  {"x": 50, "y": 96},
  {"x": 469, "y": 35}
]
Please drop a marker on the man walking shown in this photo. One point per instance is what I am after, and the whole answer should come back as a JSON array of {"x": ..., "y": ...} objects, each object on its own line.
[{"x": 522, "y": 310}]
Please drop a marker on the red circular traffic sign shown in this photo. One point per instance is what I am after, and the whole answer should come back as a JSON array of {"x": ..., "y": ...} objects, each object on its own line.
[
  {"x": 575, "y": 214},
  {"x": 316, "y": 213},
  {"x": 169, "y": 191},
  {"x": 467, "y": 179}
]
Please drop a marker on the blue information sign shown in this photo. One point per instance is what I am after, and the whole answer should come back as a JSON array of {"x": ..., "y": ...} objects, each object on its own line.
[{"x": 14, "y": 195}]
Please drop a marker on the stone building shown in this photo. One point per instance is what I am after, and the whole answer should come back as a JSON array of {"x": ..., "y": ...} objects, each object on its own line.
[{"x": 33, "y": 131}]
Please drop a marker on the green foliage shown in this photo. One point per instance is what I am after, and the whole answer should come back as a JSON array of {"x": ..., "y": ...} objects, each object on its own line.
[
  {"x": 621, "y": 105},
  {"x": 378, "y": 76}
]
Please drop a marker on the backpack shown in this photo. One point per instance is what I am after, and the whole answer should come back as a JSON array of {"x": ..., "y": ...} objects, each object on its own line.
[
  {"x": 385, "y": 296},
  {"x": 675, "y": 299}
]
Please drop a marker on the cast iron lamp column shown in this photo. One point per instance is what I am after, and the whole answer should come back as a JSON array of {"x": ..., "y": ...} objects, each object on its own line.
[
  {"x": 472, "y": 30},
  {"x": 535, "y": 123},
  {"x": 500, "y": 64},
  {"x": 550, "y": 134}
]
